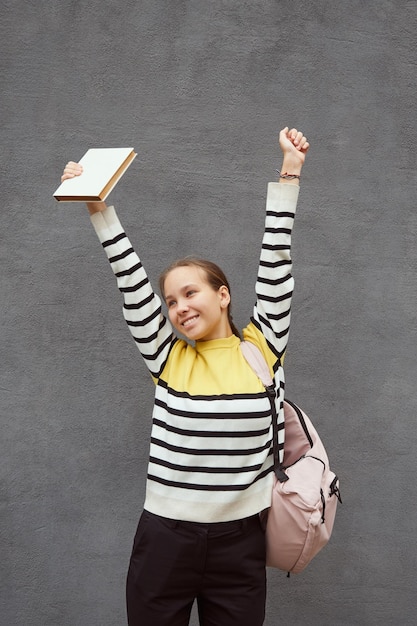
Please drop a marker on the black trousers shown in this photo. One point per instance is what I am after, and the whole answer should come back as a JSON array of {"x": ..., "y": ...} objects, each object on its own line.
[{"x": 221, "y": 565}]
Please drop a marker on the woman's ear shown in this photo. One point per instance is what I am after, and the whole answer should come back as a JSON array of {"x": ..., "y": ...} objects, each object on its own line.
[{"x": 224, "y": 295}]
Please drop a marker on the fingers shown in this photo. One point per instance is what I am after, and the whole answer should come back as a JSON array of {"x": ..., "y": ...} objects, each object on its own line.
[
  {"x": 71, "y": 170},
  {"x": 297, "y": 138}
]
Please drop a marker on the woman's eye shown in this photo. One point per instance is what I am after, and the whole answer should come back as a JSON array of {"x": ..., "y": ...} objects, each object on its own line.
[{"x": 190, "y": 293}]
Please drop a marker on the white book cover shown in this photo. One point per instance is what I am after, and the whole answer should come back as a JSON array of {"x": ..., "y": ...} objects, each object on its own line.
[{"x": 102, "y": 169}]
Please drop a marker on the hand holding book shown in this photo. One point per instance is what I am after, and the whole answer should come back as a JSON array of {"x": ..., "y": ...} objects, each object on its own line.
[
  {"x": 92, "y": 179},
  {"x": 71, "y": 170}
]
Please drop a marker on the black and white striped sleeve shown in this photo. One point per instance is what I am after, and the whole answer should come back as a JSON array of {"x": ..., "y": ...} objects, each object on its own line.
[
  {"x": 275, "y": 284},
  {"x": 142, "y": 308}
]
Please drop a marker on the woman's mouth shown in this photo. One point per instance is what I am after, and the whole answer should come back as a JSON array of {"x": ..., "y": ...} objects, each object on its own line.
[{"x": 189, "y": 321}]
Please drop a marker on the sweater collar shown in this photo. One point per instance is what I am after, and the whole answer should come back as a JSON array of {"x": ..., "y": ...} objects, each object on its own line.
[{"x": 217, "y": 344}]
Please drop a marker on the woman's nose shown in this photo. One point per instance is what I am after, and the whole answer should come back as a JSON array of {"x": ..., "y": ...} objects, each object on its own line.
[{"x": 182, "y": 305}]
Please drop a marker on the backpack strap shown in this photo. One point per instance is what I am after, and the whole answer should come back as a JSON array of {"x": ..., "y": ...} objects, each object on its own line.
[{"x": 257, "y": 362}]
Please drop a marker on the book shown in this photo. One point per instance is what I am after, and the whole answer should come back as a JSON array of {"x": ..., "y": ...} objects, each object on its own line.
[{"x": 102, "y": 169}]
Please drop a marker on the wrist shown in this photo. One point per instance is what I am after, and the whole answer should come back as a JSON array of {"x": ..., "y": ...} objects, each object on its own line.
[
  {"x": 291, "y": 165},
  {"x": 96, "y": 207},
  {"x": 290, "y": 170},
  {"x": 288, "y": 177}
]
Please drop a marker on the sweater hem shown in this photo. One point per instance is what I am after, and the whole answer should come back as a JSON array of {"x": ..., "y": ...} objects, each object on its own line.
[{"x": 206, "y": 512}]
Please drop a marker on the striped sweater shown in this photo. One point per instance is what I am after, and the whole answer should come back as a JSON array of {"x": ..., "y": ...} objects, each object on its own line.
[{"x": 211, "y": 441}]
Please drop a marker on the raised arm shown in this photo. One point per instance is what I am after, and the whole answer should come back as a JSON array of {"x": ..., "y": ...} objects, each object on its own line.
[
  {"x": 275, "y": 283},
  {"x": 142, "y": 309}
]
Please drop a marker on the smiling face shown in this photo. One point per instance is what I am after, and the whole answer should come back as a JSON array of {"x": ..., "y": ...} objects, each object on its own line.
[{"x": 195, "y": 309}]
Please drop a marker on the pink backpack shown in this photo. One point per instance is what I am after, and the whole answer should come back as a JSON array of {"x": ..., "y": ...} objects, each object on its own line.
[{"x": 305, "y": 492}]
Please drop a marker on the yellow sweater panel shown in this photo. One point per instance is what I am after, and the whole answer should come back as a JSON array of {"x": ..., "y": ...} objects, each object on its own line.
[{"x": 215, "y": 367}]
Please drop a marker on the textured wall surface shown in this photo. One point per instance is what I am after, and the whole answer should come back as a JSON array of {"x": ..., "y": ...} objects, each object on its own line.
[{"x": 201, "y": 89}]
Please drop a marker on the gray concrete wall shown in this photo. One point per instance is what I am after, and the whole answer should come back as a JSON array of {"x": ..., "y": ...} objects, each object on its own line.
[{"x": 201, "y": 89}]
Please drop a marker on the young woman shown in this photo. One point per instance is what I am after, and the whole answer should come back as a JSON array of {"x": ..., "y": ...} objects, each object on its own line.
[{"x": 210, "y": 464}]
